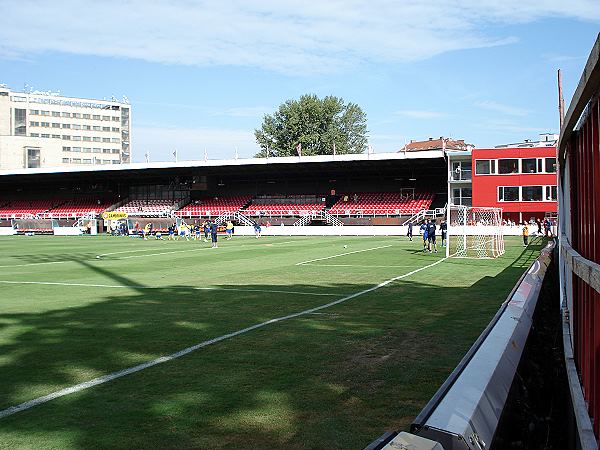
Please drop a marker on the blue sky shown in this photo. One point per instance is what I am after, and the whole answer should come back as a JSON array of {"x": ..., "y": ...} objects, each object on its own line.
[{"x": 202, "y": 74}]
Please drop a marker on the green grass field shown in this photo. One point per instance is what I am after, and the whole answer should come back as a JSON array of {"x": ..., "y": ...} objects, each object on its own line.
[{"x": 334, "y": 378}]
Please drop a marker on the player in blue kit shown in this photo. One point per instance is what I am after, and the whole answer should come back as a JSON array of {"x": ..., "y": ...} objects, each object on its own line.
[
  {"x": 423, "y": 229},
  {"x": 431, "y": 244}
]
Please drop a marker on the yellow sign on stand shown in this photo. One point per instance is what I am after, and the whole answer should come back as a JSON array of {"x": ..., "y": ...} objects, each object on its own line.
[{"x": 114, "y": 215}]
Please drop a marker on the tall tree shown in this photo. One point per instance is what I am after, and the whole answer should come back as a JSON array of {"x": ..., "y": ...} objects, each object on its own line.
[{"x": 317, "y": 125}]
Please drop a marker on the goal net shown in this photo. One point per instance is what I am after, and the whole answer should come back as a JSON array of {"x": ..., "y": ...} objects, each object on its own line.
[{"x": 474, "y": 232}]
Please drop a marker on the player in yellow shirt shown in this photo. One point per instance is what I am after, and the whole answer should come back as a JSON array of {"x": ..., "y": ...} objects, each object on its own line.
[
  {"x": 229, "y": 230},
  {"x": 525, "y": 234}
]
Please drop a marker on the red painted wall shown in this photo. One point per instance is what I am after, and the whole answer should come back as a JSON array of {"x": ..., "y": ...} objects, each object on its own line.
[{"x": 485, "y": 187}]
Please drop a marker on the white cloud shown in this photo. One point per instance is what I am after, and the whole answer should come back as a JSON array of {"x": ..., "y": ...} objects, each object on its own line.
[
  {"x": 220, "y": 143},
  {"x": 501, "y": 108},
  {"x": 291, "y": 36},
  {"x": 419, "y": 114}
]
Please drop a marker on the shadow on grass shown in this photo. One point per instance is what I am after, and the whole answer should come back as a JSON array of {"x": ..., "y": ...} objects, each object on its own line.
[{"x": 333, "y": 379}]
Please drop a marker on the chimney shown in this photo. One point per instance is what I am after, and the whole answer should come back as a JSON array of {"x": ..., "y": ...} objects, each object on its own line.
[{"x": 431, "y": 139}]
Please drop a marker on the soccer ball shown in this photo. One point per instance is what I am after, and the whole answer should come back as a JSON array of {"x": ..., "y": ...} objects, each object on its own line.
[{"x": 345, "y": 246}]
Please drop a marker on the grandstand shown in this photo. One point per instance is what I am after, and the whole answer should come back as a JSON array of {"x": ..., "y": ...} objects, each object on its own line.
[
  {"x": 23, "y": 208},
  {"x": 78, "y": 208},
  {"x": 381, "y": 203},
  {"x": 206, "y": 206},
  {"x": 147, "y": 208},
  {"x": 284, "y": 205}
]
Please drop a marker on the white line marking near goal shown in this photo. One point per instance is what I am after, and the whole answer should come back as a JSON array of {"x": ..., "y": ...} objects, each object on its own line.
[
  {"x": 208, "y": 288},
  {"x": 342, "y": 254},
  {"x": 354, "y": 265},
  {"x": 121, "y": 373}
]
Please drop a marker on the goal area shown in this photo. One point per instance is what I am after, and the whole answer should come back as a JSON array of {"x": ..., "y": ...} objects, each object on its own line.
[{"x": 474, "y": 232}]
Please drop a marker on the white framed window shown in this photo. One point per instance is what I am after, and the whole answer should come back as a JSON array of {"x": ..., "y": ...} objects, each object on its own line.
[
  {"x": 532, "y": 193},
  {"x": 508, "y": 193},
  {"x": 508, "y": 166},
  {"x": 66, "y": 160},
  {"x": 485, "y": 166}
]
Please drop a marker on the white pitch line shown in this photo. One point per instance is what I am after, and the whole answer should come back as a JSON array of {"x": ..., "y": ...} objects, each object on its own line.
[
  {"x": 354, "y": 265},
  {"x": 342, "y": 254},
  {"x": 208, "y": 288},
  {"x": 121, "y": 373}
]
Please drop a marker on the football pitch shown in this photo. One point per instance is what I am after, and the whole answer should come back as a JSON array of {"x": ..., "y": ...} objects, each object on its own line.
[{"x": 296, "y": 343}]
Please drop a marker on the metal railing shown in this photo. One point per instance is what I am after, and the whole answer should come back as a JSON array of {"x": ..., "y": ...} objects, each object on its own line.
[{"x": 579, "y": 208}]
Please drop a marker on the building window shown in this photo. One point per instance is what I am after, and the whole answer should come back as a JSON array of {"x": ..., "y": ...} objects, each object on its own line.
[
  {"x": 97, "y": 150},
  {"x": 45, "y": 124},
  {"x": 56, "y": 125},
  {"x": 532, "y": 193},
  {"x": 76, "y": 127},
  {"x": 76, "y": 138},
  {"x": 106, "y": 150},
  {"x": 96, "y": 117},
  {"x": 34, "y": 134},
  {"x": 551, "y": 193},
  {"x": 20, "y": 122},
  {"x": 116, "y": 161},
  {"x": 77, "y": 115},
  {"x": 96, "y": 139},
  {"x": 116, "y": 130},
  {"x": 44, "y": 113},
  {"x": 529, "y": 165},
  {"x": 105, "y": 128},
  {"x": 33, "y": 158},
  {"x": 56, "y": 136},
  {"x": 76, "y": 149},
  {"x": 105, "y": 117},
  {"x": 45, "y": 136},
  {"x": 116, "y": 141},
  {"x": 485, "y": 166},
  {"x": 508, "y": 166},
  {"x": 55, "y": 114},
  {"x": 115, "y": 150},
  {"x": 34, "y": 124},
  {"x": 87, "y": 161},
  {"x": 66, "y": 125},
  {"x": 87, "y": 138},
  {"x": 96, "y": 128},
  {"x": 65, "y": 114},
  {"x": 86, "y": 116},
  {"x": 66, "y": 149},
  {"x": 66, "y": 160},
  {"x": 105, "y": 139},
  {"x": 34, "y": 112},
  {"x": 87, "y": 127},
  {"x": 66, "y": 137},
  {"x": 551, "y": 165},
  {"x": 508, "y": 193},
  {"x": 87, "y": 150},
  {"x": 76, "y": 160}
]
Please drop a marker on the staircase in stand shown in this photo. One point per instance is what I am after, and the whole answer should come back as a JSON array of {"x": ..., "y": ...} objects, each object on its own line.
[
  {"x": 234, "y": 215},
  {"x": 426, "y": 214},
  {"x": 324, "y": 215}
]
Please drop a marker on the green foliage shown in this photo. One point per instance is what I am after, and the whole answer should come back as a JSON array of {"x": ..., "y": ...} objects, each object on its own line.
[{"x": 316, "y": 124}]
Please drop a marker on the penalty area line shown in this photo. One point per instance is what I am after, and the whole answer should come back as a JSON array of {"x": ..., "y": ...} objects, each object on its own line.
[
  {"x": 342, "y": 254},
  {"x": 163, "y": 359}
]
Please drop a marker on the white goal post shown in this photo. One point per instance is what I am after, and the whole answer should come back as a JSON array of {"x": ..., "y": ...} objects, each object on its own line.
[{"x": 474, "y": 232}]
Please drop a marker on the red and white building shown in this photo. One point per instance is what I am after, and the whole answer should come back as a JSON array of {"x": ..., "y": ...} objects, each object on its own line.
[{"x": 520, "y": 179}]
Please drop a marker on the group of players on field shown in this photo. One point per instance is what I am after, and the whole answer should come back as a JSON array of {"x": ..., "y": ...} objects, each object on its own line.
[{"x": 427, "y": 230}]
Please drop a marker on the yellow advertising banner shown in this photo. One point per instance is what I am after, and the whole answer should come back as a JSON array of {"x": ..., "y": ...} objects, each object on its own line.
[{"x": 114, "y": 215}]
